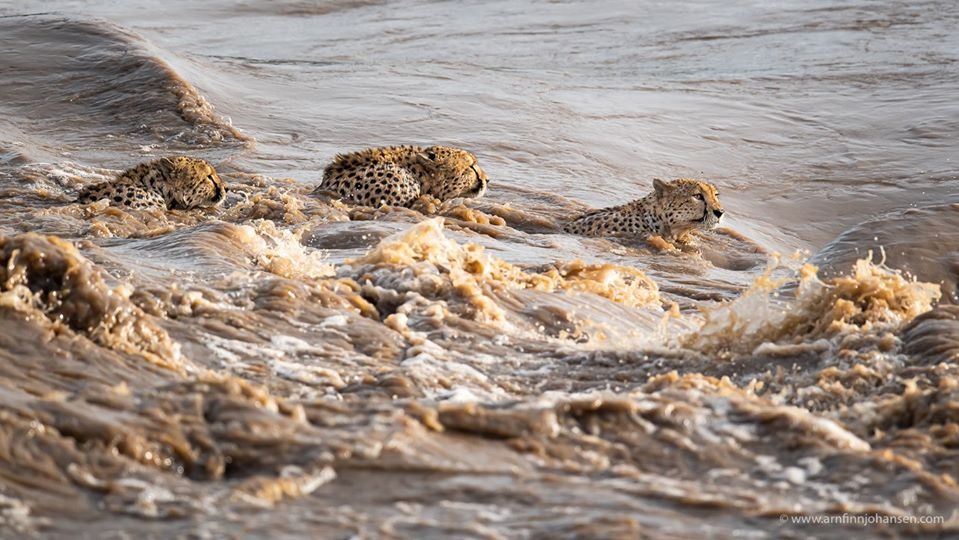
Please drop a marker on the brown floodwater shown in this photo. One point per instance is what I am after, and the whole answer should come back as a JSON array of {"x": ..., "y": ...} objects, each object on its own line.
[{"x": 290, "y": 366}]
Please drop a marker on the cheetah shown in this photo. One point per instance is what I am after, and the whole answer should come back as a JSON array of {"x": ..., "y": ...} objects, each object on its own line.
[
  {"x": 169, "y": 183},
  {"x": 671, "y": 211},
  {"x": 398, "y": 175}
]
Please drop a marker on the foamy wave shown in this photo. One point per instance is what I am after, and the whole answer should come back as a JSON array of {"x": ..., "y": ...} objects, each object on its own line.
[
  {"x": 47, "y": 277},
  {"x": 423, "y": 262},
  {"x": 280, "y": 252},
  {"x": 116, "y": 85},
  {"x": 872, "y": 300}
]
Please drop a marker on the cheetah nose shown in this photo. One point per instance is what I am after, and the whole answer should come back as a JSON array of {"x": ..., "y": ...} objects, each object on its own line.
[{"x": 718, "y": 213}]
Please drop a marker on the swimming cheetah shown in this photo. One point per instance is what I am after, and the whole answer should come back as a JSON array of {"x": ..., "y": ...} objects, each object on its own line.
[
  {"x": 671, "y": 211},
  {"x": 397, "y": 175},
  {"x": 168, "y": 183}
]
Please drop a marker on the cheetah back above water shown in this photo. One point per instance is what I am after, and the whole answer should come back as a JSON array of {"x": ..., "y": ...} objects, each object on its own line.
[
  {"x": 672, "y": 211},
  {"x": 398, "y": 175},
  {"x": 167, "y": 183}
]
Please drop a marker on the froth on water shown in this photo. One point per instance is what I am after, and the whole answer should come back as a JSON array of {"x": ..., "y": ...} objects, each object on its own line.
[{"x": 292, "y": 365}]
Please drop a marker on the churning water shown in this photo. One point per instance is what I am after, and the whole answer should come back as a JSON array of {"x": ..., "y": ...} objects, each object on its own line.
[{"x": 291, "y": 366}]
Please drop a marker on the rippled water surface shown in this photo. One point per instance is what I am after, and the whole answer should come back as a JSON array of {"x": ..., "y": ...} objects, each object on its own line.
[{"x": 293, "y": 366}]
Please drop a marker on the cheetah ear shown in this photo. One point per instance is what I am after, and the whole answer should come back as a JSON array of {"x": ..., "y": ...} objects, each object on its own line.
[
  {"x": 659, "y": 186},
  {"x": 426, "y": 158}
]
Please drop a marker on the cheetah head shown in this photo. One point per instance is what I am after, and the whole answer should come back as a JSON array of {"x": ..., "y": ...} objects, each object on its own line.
[
  {"x": 687, "y": 204},
  {"x": 452, "y": 172},
  {"x": 195, "y": 183}
]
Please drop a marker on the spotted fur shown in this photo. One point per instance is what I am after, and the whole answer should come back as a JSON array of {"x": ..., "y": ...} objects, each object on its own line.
[
  {"x": 671, "y": 211},
  {"x": 167, "y": 183},
  {"x": 397, "y": 175}
]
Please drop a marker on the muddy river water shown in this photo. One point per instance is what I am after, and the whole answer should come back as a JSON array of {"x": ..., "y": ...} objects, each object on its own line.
[{"x": 289, "y": 366}]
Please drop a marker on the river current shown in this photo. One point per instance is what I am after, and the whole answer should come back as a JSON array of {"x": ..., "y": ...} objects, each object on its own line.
[{"x": 291, "y": 366}]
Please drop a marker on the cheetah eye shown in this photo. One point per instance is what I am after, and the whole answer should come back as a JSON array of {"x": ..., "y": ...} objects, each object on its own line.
[
  {"x": 700, "y": 197},
  {"x": 210, "y": 177}
]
